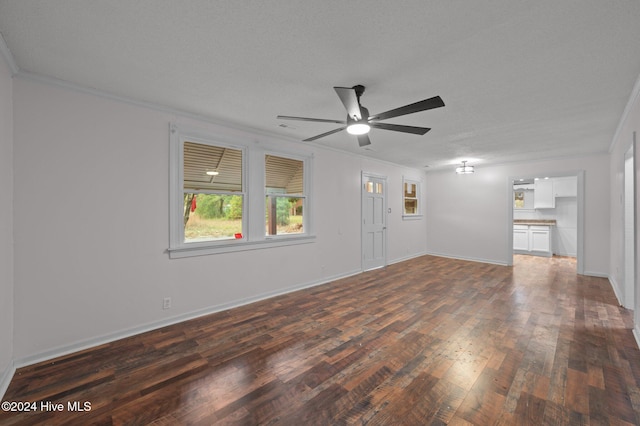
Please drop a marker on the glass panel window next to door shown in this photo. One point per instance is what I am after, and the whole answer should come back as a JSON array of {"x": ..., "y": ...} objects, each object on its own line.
[
  {"x": 213, "y": 196},
  {"x": 410, "y": 199},
  {"x": 285, "y": 198}
]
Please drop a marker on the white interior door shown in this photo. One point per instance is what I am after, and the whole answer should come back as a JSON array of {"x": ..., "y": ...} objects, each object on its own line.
[{"x": 374, "y": 222}]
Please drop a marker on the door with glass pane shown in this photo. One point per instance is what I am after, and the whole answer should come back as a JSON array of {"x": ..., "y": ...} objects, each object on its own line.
[{"x": 374, "y": 218}]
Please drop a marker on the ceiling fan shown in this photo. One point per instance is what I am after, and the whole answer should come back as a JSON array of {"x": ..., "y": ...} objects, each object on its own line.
[{"x": 359, "y": 122}]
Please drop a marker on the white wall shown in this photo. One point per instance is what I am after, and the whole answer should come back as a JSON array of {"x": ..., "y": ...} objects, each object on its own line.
[
  {"x": 91, "y": 226},
  {"x": 622, "y": 141},
  {"x": 6, "y": 226},
  {"x": 467, "y": 215}
]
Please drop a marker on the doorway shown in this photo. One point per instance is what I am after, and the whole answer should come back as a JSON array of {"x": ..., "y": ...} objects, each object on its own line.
[
  {"x": 374, "y": 221},
  {"x": 567, "y": 235}
]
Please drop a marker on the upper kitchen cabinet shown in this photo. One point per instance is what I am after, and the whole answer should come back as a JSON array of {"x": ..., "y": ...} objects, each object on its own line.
[
  {"x": 544, "y": 197},
  {"x": 565, "y": 186}
]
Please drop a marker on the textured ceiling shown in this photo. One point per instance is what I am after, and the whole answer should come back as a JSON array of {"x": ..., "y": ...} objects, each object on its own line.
[{"x": 521, "y": 80}]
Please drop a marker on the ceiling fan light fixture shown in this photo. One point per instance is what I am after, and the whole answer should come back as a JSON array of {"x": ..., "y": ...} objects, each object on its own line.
[
  {"x": 464, "y": 169},
  {"x": 358, "y": 128},
  {"x": 359, "y": 122}
]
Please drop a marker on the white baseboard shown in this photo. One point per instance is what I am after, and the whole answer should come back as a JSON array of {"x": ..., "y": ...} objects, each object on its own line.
[
  {"x": 470, "y": 259},
  {"x": 110, "y": 337},
  {"x": 122, "y": 334},
  {"x": 405, "y": 258},
  {"x": 636, "y": 328},
  {"x": 5, "y": 379},
  {"x": 596, "y": 274},
  {"x": 614, "y": 286},
  {"x": 566, "y": 254}
]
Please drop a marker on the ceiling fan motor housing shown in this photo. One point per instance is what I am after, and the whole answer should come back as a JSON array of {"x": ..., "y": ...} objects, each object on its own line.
[{"x": 364, "y": 113}]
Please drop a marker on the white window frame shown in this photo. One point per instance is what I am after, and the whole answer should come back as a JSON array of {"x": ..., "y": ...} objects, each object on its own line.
[
  {"x": 253, "y": 192},
  {"x": 418, "y": 184}
]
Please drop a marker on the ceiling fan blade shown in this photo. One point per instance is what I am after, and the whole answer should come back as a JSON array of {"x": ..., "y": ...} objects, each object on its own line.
[
  {"x": 435, "y": 102},
  {"x": 400, "y": 128},
  {"x": 350, "y": 101},
  {"x": 313, "y": 138},
  {"x": 363, "y": 140},
  {"x": 319, "y": 120}
]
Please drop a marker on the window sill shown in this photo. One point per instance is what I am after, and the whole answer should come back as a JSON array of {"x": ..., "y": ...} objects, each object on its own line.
[
  {"x": 411, "y": 217},
  {"x": 204, "y": 250}
]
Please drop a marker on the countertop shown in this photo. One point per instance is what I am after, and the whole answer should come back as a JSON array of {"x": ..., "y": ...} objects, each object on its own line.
[{"x": 534, "y": 221}]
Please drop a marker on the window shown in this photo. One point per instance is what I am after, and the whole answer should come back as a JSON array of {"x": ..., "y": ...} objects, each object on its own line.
[
  {"x": 518, "y": 199},
  {"x": 284, "y": 195},
  {"x": 212, "y": 192},
  {"x": 410, "y": 198},
  {"x": 231, "y": 195},
  {"x": 377, "y": 189}
]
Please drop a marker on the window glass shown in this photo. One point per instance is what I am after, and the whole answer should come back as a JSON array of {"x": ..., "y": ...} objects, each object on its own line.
[
  {"x": 409, "y": 189},
  {"x": 410, "y": 206},
  {"x": 410, "y": 198},
  {"x": 212, "y": 193},
  {"x": 212, "y": 217},
  {"x": 285, "y": 198}
]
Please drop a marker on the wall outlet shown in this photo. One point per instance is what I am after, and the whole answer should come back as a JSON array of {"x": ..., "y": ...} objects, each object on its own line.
[{"x": 166, "y": 303}]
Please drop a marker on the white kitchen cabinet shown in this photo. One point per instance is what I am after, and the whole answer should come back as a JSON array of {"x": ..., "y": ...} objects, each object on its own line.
[
  {"x": 565, "y": 186},
  {"x": 539, "y": 240},
  {"x": 532, "y": 239},
  {"x": 543, "y": 195},
  {"x": 521, "y": 237}
]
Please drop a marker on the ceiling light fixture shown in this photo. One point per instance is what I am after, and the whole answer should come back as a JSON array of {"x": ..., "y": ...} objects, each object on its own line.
[
  {"x": 464, "y": 169},
  {"x": 358, "y": 129},
  {"x": 212, "y": 173},
  {"x": 361, "y": 126}
]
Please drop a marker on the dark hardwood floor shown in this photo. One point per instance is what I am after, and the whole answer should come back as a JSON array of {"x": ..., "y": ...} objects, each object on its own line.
[{"x": 427, "y": 341}]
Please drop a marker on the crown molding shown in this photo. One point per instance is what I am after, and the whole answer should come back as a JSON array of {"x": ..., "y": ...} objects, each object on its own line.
[
  {"x": 8, "y": 57},
  {"x": 56, "y": 82}
]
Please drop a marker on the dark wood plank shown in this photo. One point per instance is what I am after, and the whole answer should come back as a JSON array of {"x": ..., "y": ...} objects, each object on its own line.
[{"x": 427, "y": 341}]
